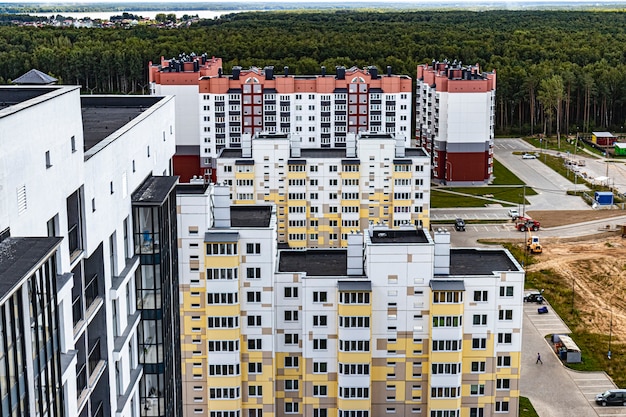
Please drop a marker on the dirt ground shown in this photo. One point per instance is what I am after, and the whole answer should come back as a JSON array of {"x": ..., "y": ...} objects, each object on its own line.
[
  {"x": 595, "y": 265},
  {"x": 552, "y": 218}
]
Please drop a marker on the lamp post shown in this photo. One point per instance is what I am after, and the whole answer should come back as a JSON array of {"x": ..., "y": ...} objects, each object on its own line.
[{"x": 610, "y": 308}]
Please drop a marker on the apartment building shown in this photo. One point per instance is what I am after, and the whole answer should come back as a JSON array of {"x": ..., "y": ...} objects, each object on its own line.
[
  {"x": 454, "y": 121},
  {"x": 323, "y": 109},
  {"x": 323, "y": 194},
  {"x": 88, "y": 260},
  {"x": 395, "y": 323}
]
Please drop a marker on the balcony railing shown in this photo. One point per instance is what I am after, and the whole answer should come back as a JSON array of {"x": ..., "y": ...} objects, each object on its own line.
[
  {"x": 81, "y": 380},
  {"x": 94, "y": 357},
  {"x": 74, "y": 238},
  {"x": 91, "y": 290},
  {"x": 77, "y": 310}
]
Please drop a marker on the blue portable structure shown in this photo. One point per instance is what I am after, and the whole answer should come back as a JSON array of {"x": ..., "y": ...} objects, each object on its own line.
[{"x": 603, "y": 198}]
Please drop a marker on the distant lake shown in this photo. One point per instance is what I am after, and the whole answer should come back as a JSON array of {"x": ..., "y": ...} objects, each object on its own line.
[{"x": 203, "y": 14}]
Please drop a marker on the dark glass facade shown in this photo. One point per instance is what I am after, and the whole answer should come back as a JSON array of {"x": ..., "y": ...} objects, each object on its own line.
[{"x": 156, "y": 280}]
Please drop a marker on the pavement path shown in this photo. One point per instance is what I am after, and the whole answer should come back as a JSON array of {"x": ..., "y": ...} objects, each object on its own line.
[{"x": 553, "y": 389}]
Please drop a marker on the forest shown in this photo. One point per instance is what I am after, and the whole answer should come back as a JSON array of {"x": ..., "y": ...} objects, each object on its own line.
[{"x": 557, "y": 71}]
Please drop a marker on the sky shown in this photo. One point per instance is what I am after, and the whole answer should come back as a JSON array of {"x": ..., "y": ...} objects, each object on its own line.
[{"x": 598, "y": 2}]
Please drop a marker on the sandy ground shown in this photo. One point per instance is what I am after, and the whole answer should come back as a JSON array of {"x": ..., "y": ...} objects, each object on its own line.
[
  {"x": 549, "y": 218},
  {"x": 596, "y": 264}
]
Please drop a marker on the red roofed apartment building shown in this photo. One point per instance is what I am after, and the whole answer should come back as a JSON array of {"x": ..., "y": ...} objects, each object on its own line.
[
  {"x": 455, "y": 121},
  {"x": 213, "y": 110}
]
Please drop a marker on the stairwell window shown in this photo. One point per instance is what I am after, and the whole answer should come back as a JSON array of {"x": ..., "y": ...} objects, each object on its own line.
[{"x": 48, "y": 163}]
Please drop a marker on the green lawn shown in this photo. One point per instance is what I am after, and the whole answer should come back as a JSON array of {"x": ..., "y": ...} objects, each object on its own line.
[
  {"x": 526, "y": 409},
  {"x": 506, "y": 188}
]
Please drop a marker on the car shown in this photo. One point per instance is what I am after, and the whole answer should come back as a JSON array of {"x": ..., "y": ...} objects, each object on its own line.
[
  {"x": 513, "y": 213},
  {"x": 611, "y": 397},
  {"x": 459, "y": 225},
  {"x": 534, "y": 297},
  {"x": 529, "y": 156}
]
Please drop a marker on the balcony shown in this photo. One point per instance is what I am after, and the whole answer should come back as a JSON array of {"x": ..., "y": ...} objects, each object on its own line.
[
  {"x": 96, "y": 364},
  {"x": 91, "y": 291},
  {"x": 73, "y": 237}
]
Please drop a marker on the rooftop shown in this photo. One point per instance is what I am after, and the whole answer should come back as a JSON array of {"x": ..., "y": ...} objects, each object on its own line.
[
  {"x": 103, "y": 115},
  {"x": 14, "y": 95},
  {"x": 34, "y": 76},
  {"x": 18, "y": 257},
  {"x": 385, "y": 236},
  {"x": 480, "y": 262},
  {"x": 154, "y": 191},
  {"x": 314, "y": 262},
  {"x": 250, "y": 216},
  {"x": 191, "y": 188}
]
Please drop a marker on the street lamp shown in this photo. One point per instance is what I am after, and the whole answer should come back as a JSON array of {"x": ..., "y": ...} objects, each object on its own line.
[{"x": 608, "y": 355}]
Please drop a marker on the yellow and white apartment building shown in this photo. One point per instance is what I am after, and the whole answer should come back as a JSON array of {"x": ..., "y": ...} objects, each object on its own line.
[
  {"x": 395, "y": 324},
  {"x": 324, "y": 194}
]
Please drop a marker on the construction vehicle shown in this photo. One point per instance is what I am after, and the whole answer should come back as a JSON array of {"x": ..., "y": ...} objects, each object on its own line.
[
  {"x": 526, "y": 223},
  {"x": 533, "y": 245}
]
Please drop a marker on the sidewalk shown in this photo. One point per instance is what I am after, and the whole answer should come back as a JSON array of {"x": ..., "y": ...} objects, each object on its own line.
[{"x": 553, "y": 389}]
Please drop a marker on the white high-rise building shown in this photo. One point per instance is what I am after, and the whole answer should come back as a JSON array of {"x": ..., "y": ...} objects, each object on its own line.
[{"x": 87, "y": 255}]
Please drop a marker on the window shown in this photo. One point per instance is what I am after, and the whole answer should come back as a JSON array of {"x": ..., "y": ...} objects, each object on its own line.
[
  {"x": 253, "y": 412},
  {"x": 291, "y": 292},
  {"x": 480, "y": 295},
  {"x": 254, "y": 321},
  {"x": 446, "y": 368},
  {"x": 354, "y": 369},
  {"x": 291, "y": 338},
  {"x": 253, "y": 296},
  {"x": 503, "y": 361},
  {"x": 447, "y": 345},
  {"x": 502, "y": 406},
  {"x": 223, "y": 298},
  {"x": 226, "y": 322},
  {"x": 447, "y": 321},
  {"x": 445, "y": 392},
  {"x": 73, "y": 143},
  {"x": 255, "y": 390},
  {"x": 291, "y": 407},
  {"x": 221, "y": 249},
  {"x": 320, "y": 320},
  {"x": 505, "y": 315},
  {"x": 477, "y": 389},
  {"x": 48, "y": 163},
  {"x": 320, "y": 412},
  {"x": 291, "y": 385},
  {"x": 320, "y": 367},
  {"x": 320, "y": 296},
  {"x": 253, "y": 273},
  {"x": 506, "y": 291},
  {"x": 477, "y": 412},
  {"x": 320, "y": 390},
  {"x": 253, "y": 248},
  {"x": 291, "y": 362},
  {"x": 255, "y": 344},
  {"x": 320, "y": 344},
  {"x": 478, "y": 367},
  {"x": 479, "y": 343},
  {"x": 291, "y": 315},
  {"x": 354, "y": 345},
  {"x": 503, "y": 383},
  {"x": 505, "y": 338},
  {"x": 255, "y": 367},
  {"x": 480, "y": 319}
]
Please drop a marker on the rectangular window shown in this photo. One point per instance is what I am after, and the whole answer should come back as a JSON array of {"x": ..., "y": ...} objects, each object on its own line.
[
  {"x": 477, "y": 389},
  {"x": 291, "y": 385},
  {"x": 505, "y": 315},
  {"x": 291, "y": 338},
  {"x": 503, "y": 384},
  {"x": 255, "y": 390},
  {"x": 253, "y": 248},
  {"x": 481, "y": 295},
  {"x": 480, "y": 319},
  {"x": 502, "y": 406},
  {"x": 503, "y": 361},
  {"x": 292, "y": 407},
  {"x": 48, "y": 163},
  {"x": 291, "y": 362},
  {"x": 477, "y": 412},
  {"x": 255, "y": 344},
  {"x": 478, "y": 367},
  {"x": 479, "y": 343},
  {"x": 320, "y": 390},
  {"x": 320, "y": 321},
  {"x": 255, "y": 367},
  {"x": 320, "y": 367},
  {"x": 320, "y": 296},
  {"x": 253, "y": 296},
  {"x": 505, "y": 338},
  {"x": 291, "y": 292},
  {"x": 254, "y": 321},
  {"x": 506, "y": 291}
]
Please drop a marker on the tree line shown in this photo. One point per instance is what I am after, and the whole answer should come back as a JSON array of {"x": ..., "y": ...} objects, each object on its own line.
[{"x": 557, "y": 71}]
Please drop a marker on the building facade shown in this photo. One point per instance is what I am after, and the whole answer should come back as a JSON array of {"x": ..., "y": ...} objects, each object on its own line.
[
  {"x": 454, "y": 121},
  {"x": 71, "y": 166},
  {"x": 322, "y": 108},
  {"x": 324, "y": 194},
  {"x": 396, "y": 323}
]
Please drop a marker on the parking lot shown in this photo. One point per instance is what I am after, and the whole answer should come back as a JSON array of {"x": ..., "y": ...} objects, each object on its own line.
[{"x": 554, "y": 389}]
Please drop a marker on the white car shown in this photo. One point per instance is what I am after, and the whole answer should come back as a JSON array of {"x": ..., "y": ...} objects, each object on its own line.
[
  {"x": 529, "y": 156},
  {"x": 513, "y": 213}
]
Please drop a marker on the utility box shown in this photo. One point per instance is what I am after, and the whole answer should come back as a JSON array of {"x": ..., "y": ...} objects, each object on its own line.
[{"x": 603, "y": 198}]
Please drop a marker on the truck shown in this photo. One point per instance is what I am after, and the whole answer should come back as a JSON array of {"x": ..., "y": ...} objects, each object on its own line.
[
  {"x": 533, "y": 245},
  {"x": 526, "y": 223}
]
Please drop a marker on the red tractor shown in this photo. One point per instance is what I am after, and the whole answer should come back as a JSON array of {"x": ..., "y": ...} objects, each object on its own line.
[{"x": 525, "y": 223}]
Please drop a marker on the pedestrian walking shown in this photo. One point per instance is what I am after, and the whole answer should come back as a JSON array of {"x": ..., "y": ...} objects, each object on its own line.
[{"x": 539, "y": 359}]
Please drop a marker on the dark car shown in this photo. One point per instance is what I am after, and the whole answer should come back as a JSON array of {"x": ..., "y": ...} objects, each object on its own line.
[
  {"x": 612, "y": 397},
  {"x": 459, "y": 225},
  {"x": 534, "y": 297}
]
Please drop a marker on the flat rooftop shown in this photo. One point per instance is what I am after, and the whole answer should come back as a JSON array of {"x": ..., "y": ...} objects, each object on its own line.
[
  {"x": 250, "y": 216},
  {"x": 103, "y": 115},
  {"x": 314, "y": 262},
  {"x": 193, "y": 188},
  {"x": 392, "y": 236},
  {"x": 18, "y": 257},
  {"x": 480, "y": 262},
  {"x": 11, "y": 96},
  {"x": 154, "y": 191}
]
